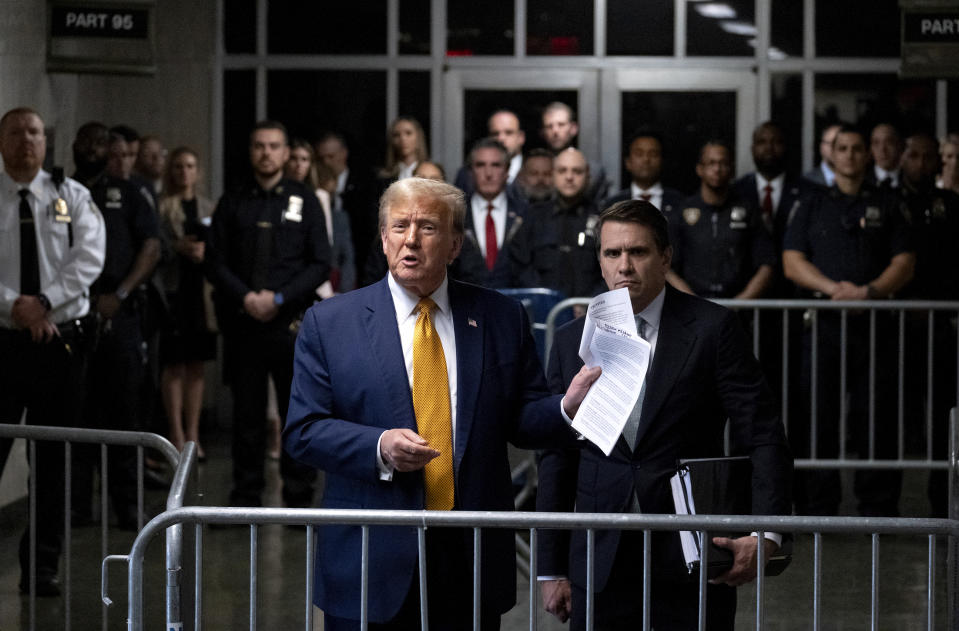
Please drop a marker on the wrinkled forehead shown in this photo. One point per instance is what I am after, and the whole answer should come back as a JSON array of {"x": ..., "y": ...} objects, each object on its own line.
[{"x": 25, "y": 120}]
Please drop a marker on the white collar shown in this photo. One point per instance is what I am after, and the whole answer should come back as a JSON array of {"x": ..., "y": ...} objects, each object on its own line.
[
  {"x": 653, "y": 313},
  {"x": 405, "y": 301},
  {"x": 654, "y": 190}
]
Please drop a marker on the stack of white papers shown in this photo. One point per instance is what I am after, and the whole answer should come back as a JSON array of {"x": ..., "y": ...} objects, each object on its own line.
[
  {"x": 683, "y": 501},
  {"x": 610, "y": 340}
]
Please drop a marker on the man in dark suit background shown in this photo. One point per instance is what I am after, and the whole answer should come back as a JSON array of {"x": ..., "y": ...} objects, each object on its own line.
[
  {"x": 701, "y": 372},
  {"x": 357, "y": 412},
  {"x": 492, "y": 219},
  {"x": 643, "y": 158}
]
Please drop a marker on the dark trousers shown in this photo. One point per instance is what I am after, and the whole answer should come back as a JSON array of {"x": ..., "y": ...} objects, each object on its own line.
[
  {"x": 449, "y": 585},
  {"x": 44, "y": 379},
  {"x": 251, "y": 353},
  {"x": 674, "y": 606},
  {"x": 114, "y": 379},
  {"x": 817, "y": 491}
]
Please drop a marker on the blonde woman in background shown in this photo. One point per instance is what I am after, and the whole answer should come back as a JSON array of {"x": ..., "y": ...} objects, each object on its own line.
[
  {"x": 188, "y": 339},
  {"x": 949, "y": 155},
  {"x": 405, "y": 149}
]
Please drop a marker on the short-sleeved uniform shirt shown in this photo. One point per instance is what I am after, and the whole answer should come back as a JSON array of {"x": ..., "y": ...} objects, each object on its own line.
[
  {"x": 129, "y": 222},
  {"x": 718, "y": 249},
  {"x": 849, "y": 237}
]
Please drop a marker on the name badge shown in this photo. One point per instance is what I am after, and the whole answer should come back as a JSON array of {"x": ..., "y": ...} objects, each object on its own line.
[
  {"x": 61, "y": 213},
  {"x": 738, "y": 225},
  {"x": 294, "y": 209},
  {"x": 872, "y": 218}
]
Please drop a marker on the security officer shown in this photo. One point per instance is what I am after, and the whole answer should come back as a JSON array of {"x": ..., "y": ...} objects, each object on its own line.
[
  {"x": 52, "y": 249},
  {"x": 850, "y": 242},
  {"x": 268, "y": 253},
  {"x": 722, "y": 248},
  {"x": 934, "y": 214},
  {"x": 556, "y": 245},
  {"x": 117, "y": 365}
]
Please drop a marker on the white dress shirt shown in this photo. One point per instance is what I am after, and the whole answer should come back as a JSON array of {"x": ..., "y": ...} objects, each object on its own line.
[
  {"x": 406, "y": 170},
  {"x": 655, "y": 192},
  {"x": 340, "y": 189},
  {"x": 515, "y": 164},
  {"x": 882, "y": 174},
  {"x": 405, "y": 301},
  {"x": 777, "y": 183},
  {"x": 66, "y": 272},
  {"x": 479, "y": 207}
]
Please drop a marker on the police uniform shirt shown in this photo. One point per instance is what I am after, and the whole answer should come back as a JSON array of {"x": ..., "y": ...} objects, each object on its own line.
[
  {"x": 556, "y": 248},
  {"x": 718, "y": 249},
  {"x": 934, "y": 218},
  {"x": 849, "y": 237},
  {"x": 299, "y": 257},
  {"x": 129, "y": 222},
  {"x": 66, "y": 271}
]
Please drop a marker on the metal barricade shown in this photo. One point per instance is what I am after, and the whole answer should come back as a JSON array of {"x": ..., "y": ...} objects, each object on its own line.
[
  {"x": 533, "y": 522},
  {"x": 105, "y": 438},
  {"x": 811, "y": 310}
]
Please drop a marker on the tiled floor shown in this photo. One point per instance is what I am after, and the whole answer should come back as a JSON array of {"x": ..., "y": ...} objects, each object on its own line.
[{"x": 845, "y": 586}]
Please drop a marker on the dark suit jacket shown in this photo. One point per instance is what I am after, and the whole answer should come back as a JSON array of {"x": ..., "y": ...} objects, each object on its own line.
[
  {"x": 350, "y": 385},
  {"x": 359, "y": 203},
  {"x": 703, "y": 372},
  {"x": 471, "y": 264}
]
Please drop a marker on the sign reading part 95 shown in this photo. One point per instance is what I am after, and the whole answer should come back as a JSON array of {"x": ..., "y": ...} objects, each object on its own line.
[{"x": 87, "y": 21}]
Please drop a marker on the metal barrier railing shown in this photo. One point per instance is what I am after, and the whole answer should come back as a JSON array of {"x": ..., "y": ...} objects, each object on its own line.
[
  {"x": 422, "y": 520},
  {"x": 105, "y": 438},
  {"x": 898, "y": 308}
]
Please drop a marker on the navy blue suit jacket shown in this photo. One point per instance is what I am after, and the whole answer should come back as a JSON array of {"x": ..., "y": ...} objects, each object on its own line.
[
  {"x": 350, "y": 385},
  {"x": 703, "y": 371}
]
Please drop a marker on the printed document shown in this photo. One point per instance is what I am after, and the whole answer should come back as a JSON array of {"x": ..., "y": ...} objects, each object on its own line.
[{"x": 610, "y": 340}]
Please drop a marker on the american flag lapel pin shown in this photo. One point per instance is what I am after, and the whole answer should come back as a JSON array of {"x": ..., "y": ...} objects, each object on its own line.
[{"x": 471, "y": 322}]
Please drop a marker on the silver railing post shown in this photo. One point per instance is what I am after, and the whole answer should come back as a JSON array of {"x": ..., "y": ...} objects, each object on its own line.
[{"x": 952, "y": 565}]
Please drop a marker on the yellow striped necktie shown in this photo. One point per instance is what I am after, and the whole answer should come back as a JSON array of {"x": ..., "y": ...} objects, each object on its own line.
[{"x": 431, "y": 403}]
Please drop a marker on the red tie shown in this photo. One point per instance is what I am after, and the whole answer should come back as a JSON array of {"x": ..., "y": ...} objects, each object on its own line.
[
  {"x": 491, "y": 249},
  {"x": 645, "y": 196},
  {"x": 768, "y": 201}
]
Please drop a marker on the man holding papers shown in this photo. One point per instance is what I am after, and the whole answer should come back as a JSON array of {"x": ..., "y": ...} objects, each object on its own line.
[{"x": 697, "y": 372}]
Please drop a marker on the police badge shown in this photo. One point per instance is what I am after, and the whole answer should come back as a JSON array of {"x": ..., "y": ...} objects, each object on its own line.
[
  {"x": 294, "y": 209},
  {"x": 61, "y": 214},
  {"x": 691, "y": 215},
  {"x": 939, "y": 208}
]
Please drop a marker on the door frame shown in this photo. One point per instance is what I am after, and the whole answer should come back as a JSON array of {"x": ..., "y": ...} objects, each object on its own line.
[
  {"x": 449, "y": 152},
  {"x": 614, "y": 82}
]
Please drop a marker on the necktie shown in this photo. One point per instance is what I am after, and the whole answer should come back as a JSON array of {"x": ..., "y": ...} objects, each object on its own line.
[
  {"x": 632, "y": 423},
  {"x": 645, "y": 196},
  {"x": 491, "y": 249},
  {"x": 29, "y": 259},
  {"x": 768, "y": 201},
  {"x": 431, "y": 403}
]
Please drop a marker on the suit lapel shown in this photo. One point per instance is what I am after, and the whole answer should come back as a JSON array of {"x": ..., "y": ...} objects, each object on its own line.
[
  {"x": 673, "y": 345},
  {"x": 468, "y": 330},
  {"x": 384, "y": 337}
]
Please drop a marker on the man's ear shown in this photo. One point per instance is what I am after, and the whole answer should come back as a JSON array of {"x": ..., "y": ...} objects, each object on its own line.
[{"x": 457, "y": 246}]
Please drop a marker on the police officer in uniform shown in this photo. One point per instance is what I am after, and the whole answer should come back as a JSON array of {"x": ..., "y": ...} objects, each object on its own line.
[
  {"x": 934, "y": 215},
  {"x": 268, "y": 253},
  {"x": 722, "y": 248},
  {"x": 117, "y": 367},
  {"x": 556, "y": 245},
  {"x": 52, "y": 249},
  {"x": 850, "y": 242}
]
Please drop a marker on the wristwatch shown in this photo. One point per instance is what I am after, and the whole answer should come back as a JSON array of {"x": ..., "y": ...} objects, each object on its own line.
[
  {"x": 45, "y": 301},
  {"x": 121, "y": 294}
]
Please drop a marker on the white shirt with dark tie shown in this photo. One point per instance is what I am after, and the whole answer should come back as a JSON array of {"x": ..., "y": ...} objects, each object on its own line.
[{"x": 655, "y": 193}]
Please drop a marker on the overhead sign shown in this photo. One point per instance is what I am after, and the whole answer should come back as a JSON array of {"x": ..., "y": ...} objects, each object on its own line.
[
  {"x": 104, "y": 36},
  {"x": 930, "y": 38},
  {"x": 82, "y": 21}
]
